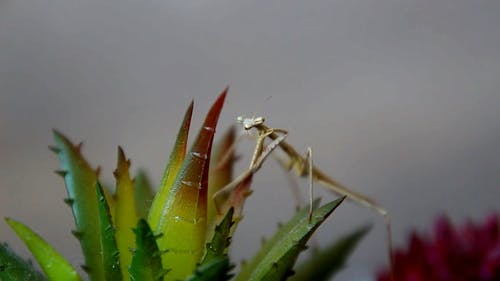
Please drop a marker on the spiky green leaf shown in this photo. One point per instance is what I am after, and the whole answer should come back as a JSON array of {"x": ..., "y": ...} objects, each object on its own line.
[
  {"x": 323, "y": 264},
  {"x": 109, "y": 257},
  {"x": 80, "y": 180},
  {"x": 146, "y": 258},
  {"x": 126, "y": 215},
  {"x": 55, "y": 266},
  {"x": 221, "y": 239},
  {"x": 215, "y": 269},
  {"x": 277, "y": 256},
  {"x": 215, "y": 263},
  {"x": 14, "y": 268}
]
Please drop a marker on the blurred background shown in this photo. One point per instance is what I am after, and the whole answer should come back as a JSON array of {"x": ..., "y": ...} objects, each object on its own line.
[{"x": 399, "y": 100}]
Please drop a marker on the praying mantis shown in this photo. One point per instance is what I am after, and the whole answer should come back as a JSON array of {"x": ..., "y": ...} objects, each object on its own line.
[{"x": 303, "y": 166}]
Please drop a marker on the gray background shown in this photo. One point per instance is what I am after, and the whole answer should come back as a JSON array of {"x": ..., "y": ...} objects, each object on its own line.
[{"x": 399, "y": 100}]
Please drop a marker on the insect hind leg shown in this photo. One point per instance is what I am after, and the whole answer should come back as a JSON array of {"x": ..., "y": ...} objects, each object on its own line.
[{"x": 309, "y": 162}]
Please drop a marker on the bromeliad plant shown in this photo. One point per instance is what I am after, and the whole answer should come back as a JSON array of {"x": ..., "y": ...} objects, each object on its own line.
[{"x": 180, "y": 233}]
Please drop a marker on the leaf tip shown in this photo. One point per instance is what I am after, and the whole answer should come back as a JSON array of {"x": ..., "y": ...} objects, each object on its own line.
[{"x": 121, "y": 155}]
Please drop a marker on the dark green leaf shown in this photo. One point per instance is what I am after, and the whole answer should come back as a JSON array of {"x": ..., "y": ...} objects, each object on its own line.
[
  {"x": 14, "y": 268},
  {"x": 109, "y": 257},
  {"x": 215, "y": 269},
  {"x": 277, "y": 256},
  {"x": 146, "y": 260},
  {"x": 221, "y": 239},
  {"x": 215, "y": 264}
]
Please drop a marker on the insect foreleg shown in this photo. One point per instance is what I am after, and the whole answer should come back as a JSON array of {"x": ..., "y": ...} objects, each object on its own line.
[{"x": 221, "y": 196}]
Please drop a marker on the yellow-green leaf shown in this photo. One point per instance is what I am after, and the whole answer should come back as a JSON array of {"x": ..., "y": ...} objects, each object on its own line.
[
  {"x": 183, "y": 221},
  {"x": 126, "y": 215},
  {"x": 108, "y": 194},
  {"x": 157, "y": 210},
  {"x": 55, "y": 266}
]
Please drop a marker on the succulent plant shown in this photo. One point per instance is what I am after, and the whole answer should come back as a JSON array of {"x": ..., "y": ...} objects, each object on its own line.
[{"x": 177, "y": 233}]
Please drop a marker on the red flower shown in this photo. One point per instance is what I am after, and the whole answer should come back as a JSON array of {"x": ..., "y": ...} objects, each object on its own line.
[{"x": 470, "y": 252}]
